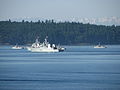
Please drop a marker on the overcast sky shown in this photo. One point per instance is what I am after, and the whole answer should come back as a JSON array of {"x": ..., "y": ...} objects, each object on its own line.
[{"x": 59, "y": 9}]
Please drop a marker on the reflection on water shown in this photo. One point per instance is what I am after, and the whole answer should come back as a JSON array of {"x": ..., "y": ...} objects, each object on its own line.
[{"x": 78, "y": 68}]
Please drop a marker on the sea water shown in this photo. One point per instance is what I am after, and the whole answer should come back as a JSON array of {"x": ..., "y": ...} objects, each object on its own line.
[{"x": 78, "y": 68}]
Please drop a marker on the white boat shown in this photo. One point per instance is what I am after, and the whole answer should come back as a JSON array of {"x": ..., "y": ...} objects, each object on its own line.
[
  {"x": 44, "y": 47},
  {"x": 17, "y": 47},
  {"x": 100, "y": 46}
]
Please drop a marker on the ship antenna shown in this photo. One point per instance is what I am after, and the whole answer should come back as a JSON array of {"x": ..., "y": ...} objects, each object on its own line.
[{"x": 37, "y": 39}]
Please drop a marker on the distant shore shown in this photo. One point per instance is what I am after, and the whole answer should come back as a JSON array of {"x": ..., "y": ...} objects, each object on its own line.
[{"x": 81, "y": 44}]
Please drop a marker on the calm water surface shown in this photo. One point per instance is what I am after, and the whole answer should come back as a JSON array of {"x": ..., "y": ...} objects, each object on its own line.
[{"x": 78, "y": 68}]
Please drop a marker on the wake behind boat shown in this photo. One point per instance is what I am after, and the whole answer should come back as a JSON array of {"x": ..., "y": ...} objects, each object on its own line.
[{"x": 44, "y": 47}]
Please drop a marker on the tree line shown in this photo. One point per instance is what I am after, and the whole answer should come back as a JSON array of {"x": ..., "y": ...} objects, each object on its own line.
[{"x": 65, "y": 33}]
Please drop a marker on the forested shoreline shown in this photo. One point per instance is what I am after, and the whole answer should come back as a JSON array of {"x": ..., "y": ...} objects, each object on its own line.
[{"x": 65, "y": 33}]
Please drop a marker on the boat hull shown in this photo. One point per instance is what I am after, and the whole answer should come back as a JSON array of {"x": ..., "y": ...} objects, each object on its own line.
[
  {"x": 99, "y": 47},
  {"x": 43, "y": 50}
]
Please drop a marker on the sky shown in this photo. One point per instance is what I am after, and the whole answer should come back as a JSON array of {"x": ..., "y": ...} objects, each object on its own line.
[{"x": 58, "y": 9}]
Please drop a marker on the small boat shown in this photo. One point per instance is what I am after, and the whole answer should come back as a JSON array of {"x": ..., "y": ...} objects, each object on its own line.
[
  {"x": 44, "y": 47},
  {"x": 61, "y": 49},
  {"x": 17, "y": 47},
  {"x": 100, "y": 46}
]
